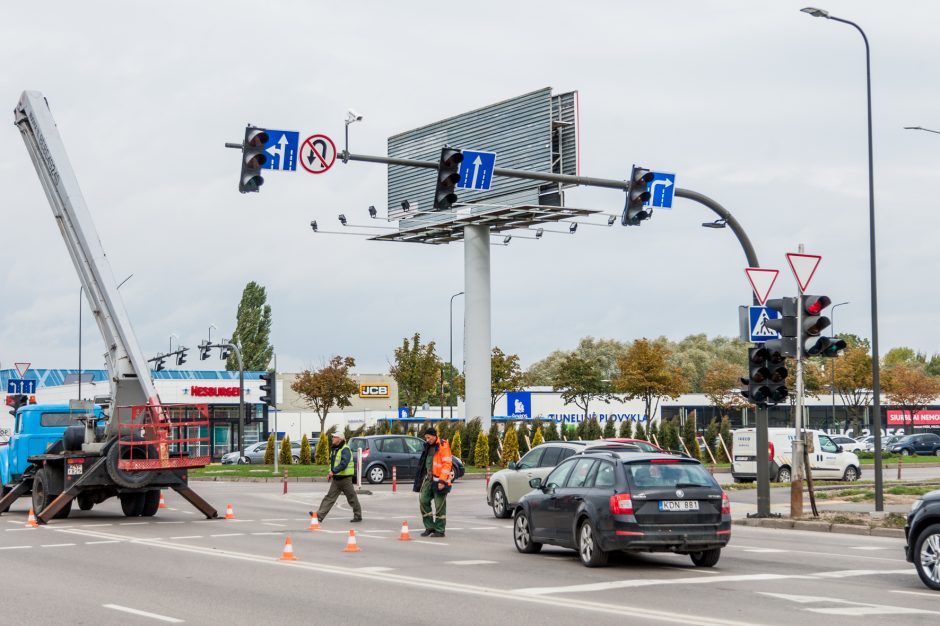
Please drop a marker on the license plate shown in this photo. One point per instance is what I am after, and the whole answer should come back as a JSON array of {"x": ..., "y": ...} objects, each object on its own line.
[
  {"x": 678, "y": 505},
  {"x": 74, "y": 469}
]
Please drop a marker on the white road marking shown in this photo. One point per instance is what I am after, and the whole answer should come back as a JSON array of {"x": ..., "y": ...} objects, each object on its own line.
[
  {"x": 228, "y": 535},
  {"x": 926, "y": 594},
  {"x": 272, "y": 533},
  {"x": 188, "y": 537},
  {"x": 125, "y": 609},
  {"x": 276, "y": 525},
  {"x": 95, "y": 525},
  {"x": 647, "y": 582},
  {"x": 870, "y": 548},
  {"x": 826, "y": 554},
  {"x": 431, "y": 543},
  {"x": 275, "y": 519},
  {"x": 471, "y": 562},
  {"x": 369, "y": 536},
  {"x": 93, "y": 543},
  {"x": 375, "y": 570},
  {"x": 180, "y": 522},
  {"x": 132, "y": 523},
  {"x": 14, "y": 547},
  {"x": 767, "y": 550},
  {"x": 484, "y": 528},
  {"x": 13, "y": 530},
  {"x": 850, "y": 608},
  {"x": 850, "y": 573},
  {"x": 56, "y": 545}
]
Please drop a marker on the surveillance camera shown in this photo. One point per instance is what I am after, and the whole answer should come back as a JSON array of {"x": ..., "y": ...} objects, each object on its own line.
[{"x": 352, "y": 116}]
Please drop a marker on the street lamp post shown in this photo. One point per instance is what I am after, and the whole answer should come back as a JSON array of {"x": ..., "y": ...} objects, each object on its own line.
[
  {"x": 451, "y": 358},
  {"x": 832, "y": 385},
  {"x": 875, "y": 366}
]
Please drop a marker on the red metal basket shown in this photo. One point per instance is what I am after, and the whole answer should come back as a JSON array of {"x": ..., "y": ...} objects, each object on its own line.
[{"x": 163, "y": 436}]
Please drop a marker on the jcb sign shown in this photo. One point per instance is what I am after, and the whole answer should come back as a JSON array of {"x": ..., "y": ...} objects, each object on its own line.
[{"x": 374, "y": 391}]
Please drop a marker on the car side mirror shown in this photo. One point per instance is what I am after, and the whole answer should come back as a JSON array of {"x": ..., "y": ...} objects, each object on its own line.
[
  {"x": 838, "y": 448},
  {"x": 536, "y": 483},
  {"x": 512, "y": 465}
]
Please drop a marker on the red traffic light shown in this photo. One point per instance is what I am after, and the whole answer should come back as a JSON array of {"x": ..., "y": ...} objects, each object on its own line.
[{"x": 815, "y": 304}]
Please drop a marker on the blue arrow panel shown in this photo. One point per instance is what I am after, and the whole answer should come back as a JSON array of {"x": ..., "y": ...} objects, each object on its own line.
[
  {"x": 476, "y": 170},
  {"x": 281, "y": 150},
  {"x": 661, "y": 188}
]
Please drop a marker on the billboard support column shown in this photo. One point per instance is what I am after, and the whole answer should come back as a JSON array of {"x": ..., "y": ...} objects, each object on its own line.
[{"x": 477, "y": 321}]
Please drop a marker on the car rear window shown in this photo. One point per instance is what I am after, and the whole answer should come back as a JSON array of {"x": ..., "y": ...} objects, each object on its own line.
[
  {"x": 645, "y": 475},
  {"x": 550, "y": 457},
  {"x": 392, "y": 445}
]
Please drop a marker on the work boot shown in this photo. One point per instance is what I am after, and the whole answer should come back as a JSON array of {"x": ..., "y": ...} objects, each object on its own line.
[
  {"x": 356, "y": 518},
  {"x": 436, "y": 533},
  {"x": 427, "y": 532},
  {"x": 319, "y": 518}
]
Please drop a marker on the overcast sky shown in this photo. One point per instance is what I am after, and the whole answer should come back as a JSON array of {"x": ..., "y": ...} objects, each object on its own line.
[{"x": 754, "y": 104}]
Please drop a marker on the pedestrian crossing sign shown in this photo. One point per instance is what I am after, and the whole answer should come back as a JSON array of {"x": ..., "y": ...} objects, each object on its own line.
[{"x": 758, "y": 316}]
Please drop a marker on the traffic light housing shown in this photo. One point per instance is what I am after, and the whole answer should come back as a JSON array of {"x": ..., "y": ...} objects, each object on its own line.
[
  {"x": 181, "y": 357},
  {"x": 253, "y": 157},
  {"x": 158, "y": 365},
  {"x": 204, "y": 351},
  {"x": 448, "y": 175},
  {"x": 767, "y": 376},
  {"x": 15, "y": 401},
  {"x": 785, "y": 325},
  {"x": 633, "y": 211},
  {"x": 813, "y": 323},
  {"x": 269, "y": 387}
]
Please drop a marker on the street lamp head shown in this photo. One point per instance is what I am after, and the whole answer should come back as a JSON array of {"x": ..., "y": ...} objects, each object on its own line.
[
  {"x": 506, "y": 240},
  {"x": 313, "y": 225},
  {"x": 405, "y": 205},
  {"x": 539, "y": 232},
  {"x": 720, "y": 223},
  {"x": 372, "y": 211},
  {"x": 611, "y": 220},
  {"x": 573, "y": 228},
  {"x": 816, "y": 12},
  {"x": 342, "y": 219}
]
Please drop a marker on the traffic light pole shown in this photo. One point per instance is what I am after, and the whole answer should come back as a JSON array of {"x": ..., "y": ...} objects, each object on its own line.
[
  {"x": 796, "y": 462},
  {"x": 240, "y": 431}
]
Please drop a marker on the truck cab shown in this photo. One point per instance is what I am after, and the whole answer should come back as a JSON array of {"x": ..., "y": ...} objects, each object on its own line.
[{"x": 36, "y": 428}]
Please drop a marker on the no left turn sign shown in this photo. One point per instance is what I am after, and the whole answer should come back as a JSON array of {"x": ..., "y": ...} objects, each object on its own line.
[{"x": 317, "y": 154}]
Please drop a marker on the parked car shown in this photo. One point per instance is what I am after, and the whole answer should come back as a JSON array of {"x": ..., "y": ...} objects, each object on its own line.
[
  {"x": 255, "y": 453},
  {"x": 508, "y": 485},
  {"x": 886, "y": 442},
  {"x": 827, "y": 459},
  {"x": 921, "y": 443},
  {"x": 923, "y": 538},
  {"x": 605, "y": 500},
  {"x": 380, "y": 453},
  {"x": 644, "y": 445},
  {"x": 848, "y": 444}
]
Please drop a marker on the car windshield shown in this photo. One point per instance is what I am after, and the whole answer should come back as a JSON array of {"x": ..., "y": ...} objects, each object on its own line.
[
  {"x": 905, "y": 439},
  {"x": 645, "y": 475}
]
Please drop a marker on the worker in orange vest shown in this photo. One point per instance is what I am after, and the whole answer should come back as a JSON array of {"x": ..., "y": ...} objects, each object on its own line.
[{"x": 433, "y": 483}]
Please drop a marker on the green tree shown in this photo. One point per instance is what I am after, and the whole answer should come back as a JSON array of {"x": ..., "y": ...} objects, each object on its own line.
[
  {"x": 711, "y": 436},
  {"x": 481, "y": 451},
  {"x": 580, "y": 381},
  {"x": 470, "y": 436},
  {"x": 604, "y": 352},
  {"x": 327, "y": 387},
  {"x": 610, "y": 428},
  {"x": 522, "y": 431},
  {"x": 321, "y": 456},
  {"x": 456, "y": 445},
  {"x": 550, "y": 432},
  {"x": 903, "y": 356},
  {"x": 510, "y": 446},
  {"x": 696, "y": 355},
  {"x": 724, "y": 433},
  {"x": 652, "y": 431},
  {"x": 493, "y": 438},
  {"x": 721, "y": 386},
  {"x": 417, "y": 371},
  {"x": 305, "y": 450},
  {"x": 626, "y": 429},
  {"x": 505, "y": 375},
  {"x": 909, "y": 386},
  {"x": 269, "y": 451},
  {"x": 850, "y": 377},
  {"x": 252, "y": 332},
  {"x": 645, "y": 373},
  {"x": 668, "y": 435},
  {"x": 640, "y": 432},
  {"x": 538, "y": 439},
  {"x": 690, "y": 436},
  {"x": 285, "y": 457}
]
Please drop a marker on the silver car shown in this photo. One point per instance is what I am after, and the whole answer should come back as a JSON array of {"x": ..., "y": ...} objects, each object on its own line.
[
  {"x": 254, "y": 454},
  {"x": 508, "y": 486}
]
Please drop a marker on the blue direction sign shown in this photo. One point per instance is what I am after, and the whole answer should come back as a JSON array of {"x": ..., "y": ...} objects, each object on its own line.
[
  {"x": 476, "y": 170},
  {"x": 661, "y": 188},
  {"x": 21, "y": 385},
  {"x": 758, "y": 316},
  {"x": 281, "y": 148}
]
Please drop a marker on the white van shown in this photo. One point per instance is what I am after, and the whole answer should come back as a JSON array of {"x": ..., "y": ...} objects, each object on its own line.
[{"x": 826, "y": 459}]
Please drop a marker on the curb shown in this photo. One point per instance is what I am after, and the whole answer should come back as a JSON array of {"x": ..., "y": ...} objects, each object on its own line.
[{"x": 825, "y": 527}]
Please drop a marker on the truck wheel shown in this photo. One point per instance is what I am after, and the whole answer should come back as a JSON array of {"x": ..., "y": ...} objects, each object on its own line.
[
  {"x": 151, "y": 503},
  {"x": 85, "y": 502},
  {"x": 73, "y": 438},
  {"x": 132, "y": 503},
  {"x": 42, "y": 498},
  {"x": 128, "y": 480}
]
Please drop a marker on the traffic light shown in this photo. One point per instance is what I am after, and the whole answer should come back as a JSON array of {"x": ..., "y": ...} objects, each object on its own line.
[
  {"x": 224, "y": 352},
  {"x": 633, "y": 211},
  {"x": 15, "y": 401},
  {"x": 269, "y": 388},
  {"x": 777, "y": 382},
  {"x": 181, "y": 357},
  {"x": 813, "y": 324},
  {"x": 448, "y": 175},
  {"x": 767, "y": 376},
  {"x": 158, "y": 366},
  {"x": 253, "y": 157},
  {"x": 785, "y": 325},
  {"x": 204, "y": 351}
]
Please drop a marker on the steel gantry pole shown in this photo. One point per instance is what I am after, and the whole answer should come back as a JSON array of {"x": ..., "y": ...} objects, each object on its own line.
[{"x": 477, "y": 307}]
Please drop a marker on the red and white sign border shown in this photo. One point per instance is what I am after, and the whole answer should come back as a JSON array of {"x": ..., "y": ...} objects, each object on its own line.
[{"x": 758, "y": 277}]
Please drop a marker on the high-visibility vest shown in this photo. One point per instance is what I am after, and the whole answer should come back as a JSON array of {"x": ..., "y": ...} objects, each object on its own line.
[
  {"x": 443, "y": 463},
  {"x": 350, "y": 468}
]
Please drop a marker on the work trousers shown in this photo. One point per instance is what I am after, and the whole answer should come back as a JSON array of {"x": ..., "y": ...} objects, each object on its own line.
[
  {"x": 344, "y": 485},
  {"x": 429, "y": 493}
]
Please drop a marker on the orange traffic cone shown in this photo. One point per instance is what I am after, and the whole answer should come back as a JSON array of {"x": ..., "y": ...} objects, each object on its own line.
[
  {"x": 31, "y": 520},
  {"x": 351, "y": 545},
  {"x": 405, "y": 535},
  {"x": 288, "y": 554},
  {"x": 162, "y": 502},
  {"x": 314, "y": 522},
  {"x": 229, "y": 513}
]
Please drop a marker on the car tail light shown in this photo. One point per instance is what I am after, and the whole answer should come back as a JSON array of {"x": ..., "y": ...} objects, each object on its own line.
[
  {"x": 770, "y": 450},
  {"x": 670, "y": 461},
  {"x": 621, "y": 504},
  {"x": 725, "y": 503}
]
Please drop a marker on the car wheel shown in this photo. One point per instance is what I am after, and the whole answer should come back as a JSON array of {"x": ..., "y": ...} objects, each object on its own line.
[
  {"x": 851, "y": 474},
  {"x": 783, "y": 475},
  {"x": 85, "y": 502},
  {"x": 151, "y": 503},
  {"x": 905, "y": 452},
  {"x": 245, "y": 460},
  {"x": 936, "y": 452},
  {"x": 132, "y": 504},
  {"x": 500, "y": 503},
  {"x": 588, "y": 549},
  {"x": 522, "y": 534},
  {"x": 706, "y": 558},
  {"x": 927, "y": 556},
  {"x": 376, "y": 474},
  {"x": 295, "y": 460}
]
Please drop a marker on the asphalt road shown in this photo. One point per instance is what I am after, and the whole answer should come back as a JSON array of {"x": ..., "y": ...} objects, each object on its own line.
[{"x": 98, "y": 567}]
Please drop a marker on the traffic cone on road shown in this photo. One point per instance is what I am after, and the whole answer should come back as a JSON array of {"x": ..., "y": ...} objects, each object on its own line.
[
  {"x": 288, "y": 554},
  {"x": 314, "y": 522},
  {"x": 229, "y": 513},
  {"x": 162, "y": 502},
  {"x": 31, "y": 520},
  {"x": 351, "y": 545},
  {"x": 404, "y": 535}
]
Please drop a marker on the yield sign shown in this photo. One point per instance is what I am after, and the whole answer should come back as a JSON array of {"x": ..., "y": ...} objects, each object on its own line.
[
  {"x": 762, "y": 281},
  {"x": 22, "y": 368},
  {"x": 803, "y": 266}
]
